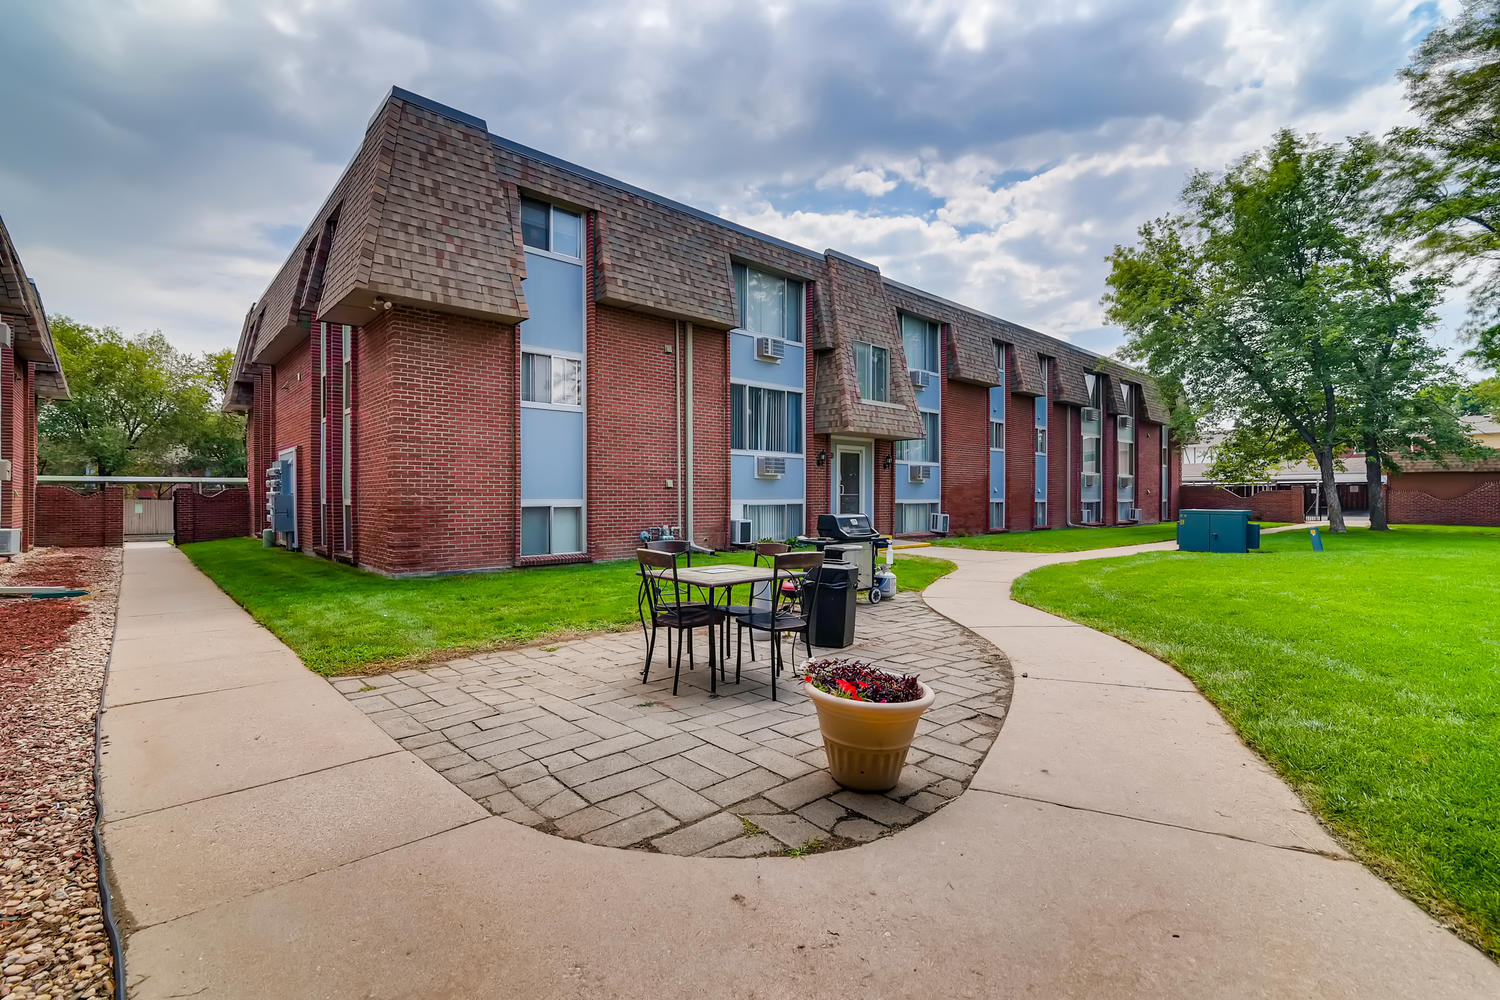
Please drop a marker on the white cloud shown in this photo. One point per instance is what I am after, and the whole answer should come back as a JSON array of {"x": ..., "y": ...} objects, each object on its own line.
[{"x": 992, "y": 152}]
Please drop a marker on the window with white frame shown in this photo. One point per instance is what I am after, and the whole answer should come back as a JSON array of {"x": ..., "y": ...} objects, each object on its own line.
[
  {"x": 347, "y": 440},
  {"x": 774, "y": 521},
  {"x": 769, "y": 305},
  {"x": 551, "y": 379},
  {"x": 1091, "y": 467},
  {"x": 1125, "y": 456},
  {"x": 873, "y": 365},
  {"x": 1166, "y": 474},
  {"x": 927, "y": 449},
  {"x": 555, "y": 230},
  {"x": 765, "y": 419},
  {"x": 323, "y": 434},
  {"x": 551, "y": 529},
  {"x": 997, "y": 440},
  {"x": 1039, "y": 510},
  {"x": 920, "y": 338},
  {"x": 914, "y": 518}
]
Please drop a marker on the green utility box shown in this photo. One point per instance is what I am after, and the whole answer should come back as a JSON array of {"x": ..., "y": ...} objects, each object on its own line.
[{"x": 1216, "y": 531}]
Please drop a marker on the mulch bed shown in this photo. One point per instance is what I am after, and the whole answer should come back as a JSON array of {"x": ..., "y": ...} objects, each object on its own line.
[{"x": 52, "y": 656}]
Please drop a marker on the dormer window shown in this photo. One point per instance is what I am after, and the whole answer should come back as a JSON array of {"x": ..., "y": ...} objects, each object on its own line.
[
  {"x": 769, "y": 305},
  {"x": 873, "y": 366},
  {"x": 552, "y": 229}
]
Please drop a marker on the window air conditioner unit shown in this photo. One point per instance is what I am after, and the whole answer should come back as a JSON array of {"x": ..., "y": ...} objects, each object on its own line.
[
  {"x": 739, "y": 531},
  {"x": 1090, "y": 516},
  {"x": 5, "y": 335},
  {"x": 1091, "y": 480},
  {"x": 1135, "y": 514},
  {"x": 770, "y": 348},
  {"x": 937, "y": 524},
  {"x": 1124, "y": 483},
  {"x": 769, "y": 467},
  {"x": 10, "y": 541},
  {"x": 1090, "y": 413},
  {"x": 920, "y": 379},
  {"x": 4, "y": 470},
  {"x": 919, "y": 473}
]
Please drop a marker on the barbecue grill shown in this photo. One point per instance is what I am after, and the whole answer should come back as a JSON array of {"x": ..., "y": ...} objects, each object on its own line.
[{"x": 851, "y": 538}]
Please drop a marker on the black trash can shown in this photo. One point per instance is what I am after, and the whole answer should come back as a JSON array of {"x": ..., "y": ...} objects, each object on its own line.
[{"x": 830, "y": 589}]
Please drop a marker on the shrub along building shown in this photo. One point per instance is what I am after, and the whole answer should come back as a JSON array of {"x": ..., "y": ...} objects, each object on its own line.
[
  {"x": 479, "y": 356},
  {"x": 29, "y": 373}
]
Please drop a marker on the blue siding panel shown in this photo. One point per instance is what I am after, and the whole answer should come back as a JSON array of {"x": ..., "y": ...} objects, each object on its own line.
[
  {"x": 1041, "y": 477},
  {"x": 910, "y": 492},
  {"x": 790, "y": 371},
  {"x": 997, "y": 475},
  {"x": 554, "y": 294},
  {"x": 930, "y": 398},
  {"x": 551, "y": 454},
  {"x": 744, "y": 487},
  {"x": 997, "y": 404}
]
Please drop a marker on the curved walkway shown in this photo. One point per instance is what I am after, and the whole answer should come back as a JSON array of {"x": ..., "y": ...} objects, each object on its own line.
[{"x": 268, "y": 840}]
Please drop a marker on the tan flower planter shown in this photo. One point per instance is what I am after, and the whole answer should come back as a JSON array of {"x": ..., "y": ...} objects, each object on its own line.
[{"x": 867, "y": 742}]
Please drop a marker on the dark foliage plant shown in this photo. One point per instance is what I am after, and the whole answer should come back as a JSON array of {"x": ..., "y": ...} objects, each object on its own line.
[{"x": 858, "y": 681}]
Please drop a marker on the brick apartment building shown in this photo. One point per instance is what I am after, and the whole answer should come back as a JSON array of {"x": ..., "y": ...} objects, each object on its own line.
[
  {"x": 480, "y": 356},
  {"x": 29, "y": 372}
]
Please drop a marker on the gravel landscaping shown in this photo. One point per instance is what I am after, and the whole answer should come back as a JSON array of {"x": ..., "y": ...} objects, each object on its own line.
[{"x": 52, "y": 656}]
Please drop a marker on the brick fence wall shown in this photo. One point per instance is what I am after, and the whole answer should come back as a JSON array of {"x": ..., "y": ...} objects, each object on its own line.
[
  {"x": 1444, "y": 498},
  {"x": 197, "y": 517},
  {"x": 67, "y": 517},
  {"x": 1271, "y": 505}
]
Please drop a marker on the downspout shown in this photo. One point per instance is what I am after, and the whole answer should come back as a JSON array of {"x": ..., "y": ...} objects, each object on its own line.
[
  {"x": 688, "y": 472},
  {"x": 677, "y": 388}
]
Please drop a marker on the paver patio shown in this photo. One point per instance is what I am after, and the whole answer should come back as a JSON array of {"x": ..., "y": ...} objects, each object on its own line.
[
  {"x": 266, "y": 839},
  {"x": 565, "y": 738}
]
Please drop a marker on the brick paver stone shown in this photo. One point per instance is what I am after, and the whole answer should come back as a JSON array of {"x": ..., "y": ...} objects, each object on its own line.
[{"x": 565, "y": 737}]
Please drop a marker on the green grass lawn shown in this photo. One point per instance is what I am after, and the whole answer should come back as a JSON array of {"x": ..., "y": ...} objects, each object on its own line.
[
  {"x": 1072, "y": 539},
  {"x": 342, "y": 620},
  {"x": 1368, "y": 675}
]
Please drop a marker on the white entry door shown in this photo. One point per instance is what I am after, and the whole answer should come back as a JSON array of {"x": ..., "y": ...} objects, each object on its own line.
[{"x": 851, "y": 476}]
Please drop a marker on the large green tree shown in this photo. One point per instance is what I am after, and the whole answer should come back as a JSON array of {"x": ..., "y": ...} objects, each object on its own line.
[
  {"x": 1281, "y": 303},
  {"x": 1233, "y": 296},
  {"x": 1447, "y": 168},
  {"x": 138, "y": 406}
]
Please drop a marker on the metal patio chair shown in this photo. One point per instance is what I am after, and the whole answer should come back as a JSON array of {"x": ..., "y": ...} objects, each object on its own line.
[
  {"x": 659, "y": 604},
  {"x": 761, "y": 550},
  {"x": 789, "y": 608}
]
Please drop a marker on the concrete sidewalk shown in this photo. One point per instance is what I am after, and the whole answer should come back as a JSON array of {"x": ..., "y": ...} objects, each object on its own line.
[{"x": 267, "y": 840}]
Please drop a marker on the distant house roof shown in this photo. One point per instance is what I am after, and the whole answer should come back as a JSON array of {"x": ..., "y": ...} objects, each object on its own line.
[{"x": 21, "y": 308}]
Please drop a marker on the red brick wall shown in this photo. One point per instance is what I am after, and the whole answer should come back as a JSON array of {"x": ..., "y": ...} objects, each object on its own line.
[
  {"x": 711, "y": 437},
  {"x": 1445, "y": 498},
  {"x": 437, "y": 434},
  {"x": 67, "y": 517},
  {"x": 1148, "y": 471},
  {"x": 1020, "y": 460},
  {"x": 966, "y": 456},
  {"x": 292, "y": 391},
  {"x": 1270, "y": 505},
  {"x": 197, "y": 517},
  {"x": 632, "y": 430}
]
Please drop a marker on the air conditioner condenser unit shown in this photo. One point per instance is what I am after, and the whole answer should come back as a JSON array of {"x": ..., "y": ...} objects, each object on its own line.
[
  {"x": 769, "y": 466},
  {"x": 739, "y": 531},
  {"x": 938, "y": 524},
  {"x": 10, "y": 541}
]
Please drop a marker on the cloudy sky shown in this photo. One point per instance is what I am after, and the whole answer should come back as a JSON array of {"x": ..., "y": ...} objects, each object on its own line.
[{"x": 161, "y": 156}]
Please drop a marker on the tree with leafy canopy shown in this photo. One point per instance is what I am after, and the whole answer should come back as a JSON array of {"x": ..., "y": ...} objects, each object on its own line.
[
  {"x": 138, "y": 406},
  {"x": 1447, "y": 169},
  {"x": 1234, "y": 297}
]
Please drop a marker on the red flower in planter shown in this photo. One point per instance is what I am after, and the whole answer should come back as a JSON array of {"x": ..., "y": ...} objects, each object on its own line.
[{"x": 850, "y": 691}]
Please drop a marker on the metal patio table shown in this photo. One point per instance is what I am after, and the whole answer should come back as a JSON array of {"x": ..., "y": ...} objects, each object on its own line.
[{"x": 722, "y": 577}]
